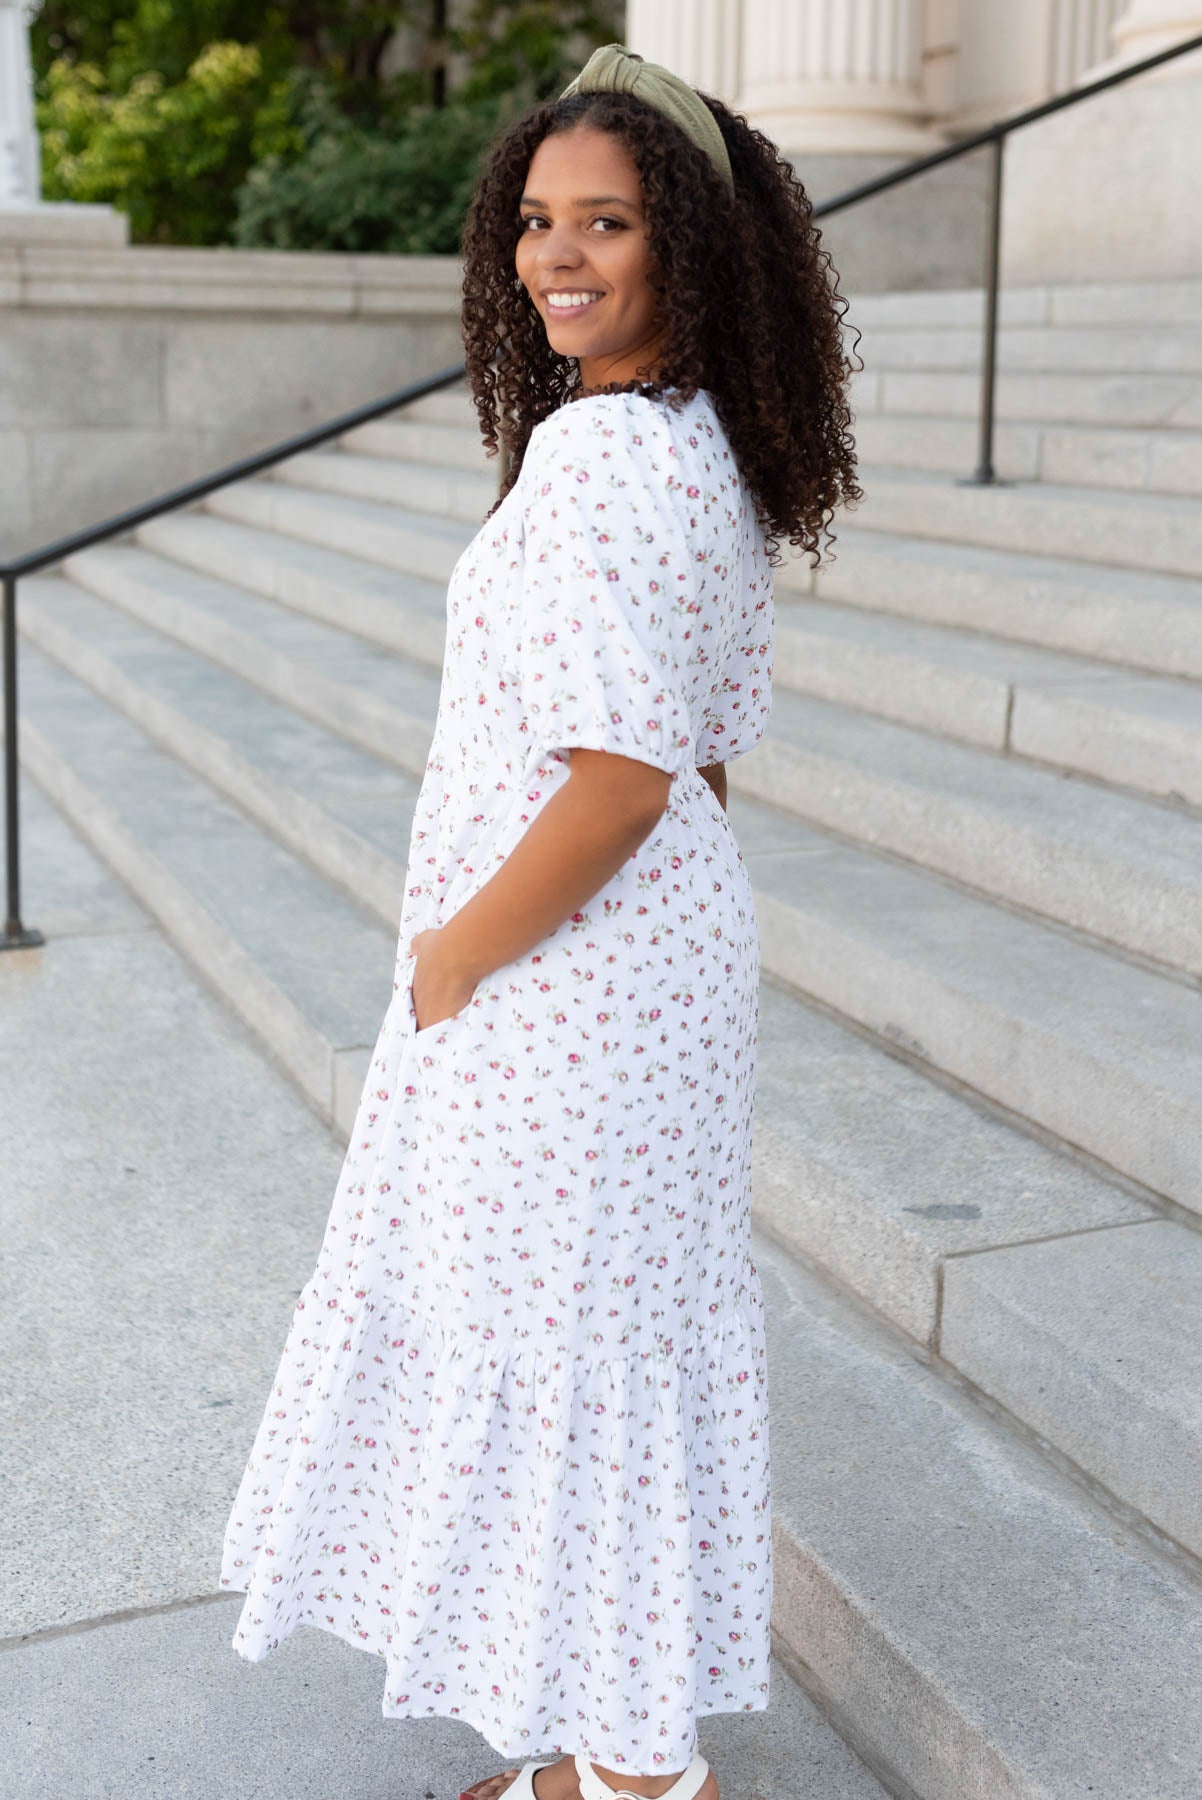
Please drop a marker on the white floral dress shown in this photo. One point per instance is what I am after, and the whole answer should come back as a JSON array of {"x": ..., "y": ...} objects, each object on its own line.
[{"x": 518, "y": 1440}]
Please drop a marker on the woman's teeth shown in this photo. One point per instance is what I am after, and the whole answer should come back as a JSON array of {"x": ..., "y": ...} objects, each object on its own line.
[{"x": 565, "y": 302}]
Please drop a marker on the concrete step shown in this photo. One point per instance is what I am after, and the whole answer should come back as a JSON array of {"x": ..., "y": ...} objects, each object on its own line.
[
  {"x": 1090, "y": 303},
  {"x": 1105, "y": 863},
  {"x": 417, "y": 543},
  {"x": 398, "y": 612},
  {"x": 1057, "y": 1292},
  {"x": 1166, "y": 461},
  {"x": 453, "y": 442},
  {"x": 442, "y": 491},
  {"x": 306, "y": 968},
  {"x": 1167, "y": 401},
  {"x": 1096, "y": 1050},
  {"x": 1038, "y": 349},
  {"x": 946, "y": 681},
  {"x": 1145, "y": 735},
  {"x": 1135, "y": 619},
  {"x": 1083, "y": 420},
  {"x": 1160, "y": 533},
  {"x": 1136, "y": 731},
  {"x": 1095, "y": 1342},
  {"x": 977, "y": 1627},
  {"x": 1144, "y": 401},
  {"x": 344, "y": 811},
  {"x": 1101, "y": 862},
  {"x": 1125, "y": 617},
  {"x": 379, "y": 701},
  {"x": 1162, "y": 462},
  {"x": 453, "y": 406}
]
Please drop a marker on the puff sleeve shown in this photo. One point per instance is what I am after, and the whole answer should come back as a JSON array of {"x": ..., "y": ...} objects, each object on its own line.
[{"x": 608, "y": 595}]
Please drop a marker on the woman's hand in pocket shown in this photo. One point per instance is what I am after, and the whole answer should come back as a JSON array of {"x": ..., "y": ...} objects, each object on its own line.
[{"x": 440, "y": 989}]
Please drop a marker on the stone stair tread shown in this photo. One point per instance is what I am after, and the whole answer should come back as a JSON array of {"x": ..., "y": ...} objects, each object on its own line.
[
  {"x": 1114, "y": 398},
  {"x": 856, "y": 1149},
  {"x": 986, "y": 1626},
  {"x": 1124, "y": 617},
  {"x": 1088, "y": 525},
  {"x": 1089, "y": 349},
  {"x": 958, "y": 650},
  {"x": 1100, "y": 1051},
  {"x": 454, "y": 531},
  {"x": 114, "y": 571},
  {"x": 443, "y": 443},
  {"x": 1149, "y": 302},
  {"x": 426, "y": 486},
  {"x": 319, "y": 948},
  {"x": 226, "y": 545},
  {"x": 1108, "y": 456},
  {"x": 1120, "y": 828},
  {"x": 364, "y": 794},
  {"x": 1034, "y": 1263},
  {"x": 427, "y": 545},
  {"x": 1138, "y": 508},
  {"x": 1129, "y": 585},
  {"x": 1094, "y": 1340}
]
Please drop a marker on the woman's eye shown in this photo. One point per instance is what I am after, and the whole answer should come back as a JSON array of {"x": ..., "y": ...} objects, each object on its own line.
[{"x": 530, "y": 219}]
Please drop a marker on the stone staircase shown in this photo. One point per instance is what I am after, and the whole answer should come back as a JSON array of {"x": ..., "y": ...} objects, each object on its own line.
[{"x": 975, "y": 830}]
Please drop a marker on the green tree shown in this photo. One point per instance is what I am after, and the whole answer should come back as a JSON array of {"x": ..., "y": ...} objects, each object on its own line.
[{"x": 281, "y": 122}]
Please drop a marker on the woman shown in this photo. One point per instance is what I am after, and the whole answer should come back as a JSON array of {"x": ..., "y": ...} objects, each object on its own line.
[{"x": 518, "y": 1442}]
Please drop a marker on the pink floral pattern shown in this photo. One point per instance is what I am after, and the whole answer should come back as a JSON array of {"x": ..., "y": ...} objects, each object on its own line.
[{"x": 517, "y": 1443}]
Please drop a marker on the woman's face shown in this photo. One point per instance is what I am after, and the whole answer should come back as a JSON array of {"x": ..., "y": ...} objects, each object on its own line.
[{"x": 584, "y": 255}]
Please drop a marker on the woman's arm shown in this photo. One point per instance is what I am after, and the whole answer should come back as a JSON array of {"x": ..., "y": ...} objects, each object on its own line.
[{"x": 576, "y": 844}]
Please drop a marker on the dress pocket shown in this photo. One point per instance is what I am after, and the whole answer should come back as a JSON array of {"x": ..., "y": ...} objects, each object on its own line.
[{"x": 441, "y": 1028}]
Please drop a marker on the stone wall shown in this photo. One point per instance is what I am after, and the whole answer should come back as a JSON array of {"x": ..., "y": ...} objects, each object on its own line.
[{"x": 127, "y": 370}]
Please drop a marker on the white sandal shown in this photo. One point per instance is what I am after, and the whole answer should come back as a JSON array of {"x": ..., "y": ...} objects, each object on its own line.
[{"x": 593, "y": 1788}]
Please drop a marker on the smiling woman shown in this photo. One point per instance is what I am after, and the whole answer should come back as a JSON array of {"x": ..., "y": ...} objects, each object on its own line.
[
  {"x": 586, "y": 269},
  {"x": 518, "y": 1440}
]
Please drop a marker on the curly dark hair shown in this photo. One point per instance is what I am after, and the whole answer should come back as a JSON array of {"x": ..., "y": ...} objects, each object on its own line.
[{"x": 750, "y": 299}]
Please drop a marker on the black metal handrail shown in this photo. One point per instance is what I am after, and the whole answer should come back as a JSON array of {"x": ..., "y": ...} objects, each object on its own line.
[{"x": 17, "y": 935}]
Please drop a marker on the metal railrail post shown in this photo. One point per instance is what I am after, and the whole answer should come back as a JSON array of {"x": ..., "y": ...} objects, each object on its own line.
[
  {"x": 984, "y": 473},
  {"x": 16, "y": 936}
]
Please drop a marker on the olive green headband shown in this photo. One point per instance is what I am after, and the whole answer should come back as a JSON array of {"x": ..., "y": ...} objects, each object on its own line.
[{"x": 615, "y": 70}]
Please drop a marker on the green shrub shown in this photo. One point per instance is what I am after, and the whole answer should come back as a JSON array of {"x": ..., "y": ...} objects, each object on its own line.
[
  {"x": 169, "y": 155},
  {"x": 403, "y": 190}
]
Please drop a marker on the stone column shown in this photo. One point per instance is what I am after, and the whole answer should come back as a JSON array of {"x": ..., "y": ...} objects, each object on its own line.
[
  {"x": 699, "y": 40},
  {"x": 836, "y": 76},
  {"x": 25, "y": 218},
  {"x": 20, "y": 172},
  {"x": 1146, "y": 26}
]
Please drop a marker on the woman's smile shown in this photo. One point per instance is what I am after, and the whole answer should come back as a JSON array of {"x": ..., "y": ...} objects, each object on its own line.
[{"x": 564, "y": 302}]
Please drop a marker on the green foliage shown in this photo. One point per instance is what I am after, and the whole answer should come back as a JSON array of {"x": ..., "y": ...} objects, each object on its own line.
[
  {"x": 170, "y": 156},
  {"x": 358, "y": 190},
  {"x": 531, "y": 48},
  {"x": 272, "y": 122}
]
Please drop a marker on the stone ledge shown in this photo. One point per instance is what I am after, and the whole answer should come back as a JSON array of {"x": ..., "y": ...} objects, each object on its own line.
[{"x": 150, "y": 277}]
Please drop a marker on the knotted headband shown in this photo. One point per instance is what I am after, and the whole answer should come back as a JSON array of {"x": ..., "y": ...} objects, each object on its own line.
[{"x": 615, "y": 70}]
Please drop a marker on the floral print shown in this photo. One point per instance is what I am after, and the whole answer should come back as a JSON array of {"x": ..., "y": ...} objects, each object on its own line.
[{"x": 517, "y": 1443}]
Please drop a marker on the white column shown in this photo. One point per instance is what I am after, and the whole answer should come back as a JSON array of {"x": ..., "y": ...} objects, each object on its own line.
[
  {"x": 20, "y": 170},
  {"x": 1145, "y": 26},
  {"x": 836, "y": 76},
  {"x": 699, "y": 40},
  {"x": 24, "y": 217}
]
